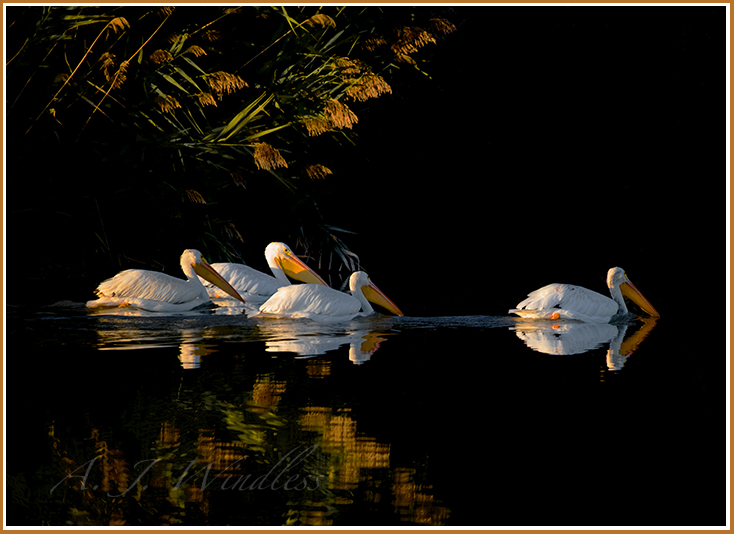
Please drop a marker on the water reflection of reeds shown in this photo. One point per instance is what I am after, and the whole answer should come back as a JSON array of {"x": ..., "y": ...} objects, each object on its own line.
[
  {"x": 194, "y": 462},
  {"x": 377, "y": 454},
  {"x": 353, "y": 457},
  {"x": 414, "y": 503}
]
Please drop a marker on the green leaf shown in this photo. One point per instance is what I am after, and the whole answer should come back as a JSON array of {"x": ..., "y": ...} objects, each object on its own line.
[
  {"x": 331, "y": 41},
  {"x": 244, "y": 117},
  {"x": 289, "y": 19},
  {"x": 178, "y": 45},
  {"x": 266, "y": 132},
  {"x": 194, "y": 65},
  {"x": 173, "y": 82},
  {"x": 193, "y": 122},
  {"x": 187, "y": 78},
  {"x": 335, "y": 229},
  {"x": 151, "y": 121}
]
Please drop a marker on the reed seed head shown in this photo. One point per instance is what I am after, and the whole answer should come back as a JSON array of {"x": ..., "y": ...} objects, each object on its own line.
[
  {"x": 318, "y": 171},
  {"x": 268, "y": 157}
]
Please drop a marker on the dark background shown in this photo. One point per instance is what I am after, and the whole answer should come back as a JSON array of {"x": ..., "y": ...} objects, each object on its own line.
[
  {"x": 548, "y": 145},
  {"x": 562, "y": 146}
]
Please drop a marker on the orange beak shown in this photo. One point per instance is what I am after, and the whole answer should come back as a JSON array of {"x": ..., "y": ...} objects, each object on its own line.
[
  {"x": 208, "y": 273},
  {"x": 375, "y": 296},
  {"x": 294, "y": 268},
  {"x": 631, "y": 292}
]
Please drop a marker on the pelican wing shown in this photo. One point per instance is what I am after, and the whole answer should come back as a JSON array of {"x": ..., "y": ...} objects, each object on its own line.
[
  {"x": 311, "y": 301},
  {"x": 569, "y": 301},
  {"x": 248, "y": 282},
  {"x": 149, "y": 285}
]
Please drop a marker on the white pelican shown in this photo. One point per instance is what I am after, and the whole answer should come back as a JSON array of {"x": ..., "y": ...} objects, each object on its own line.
[
  {"x": 557, "y": 301},
  {"x": 155, "y": 291},
  {"x": 326, "y": 304},
  {"x": 257, "y": 287}
]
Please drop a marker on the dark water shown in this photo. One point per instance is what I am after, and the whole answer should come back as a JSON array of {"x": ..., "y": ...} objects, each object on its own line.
[{"x": 215, "y": 419}]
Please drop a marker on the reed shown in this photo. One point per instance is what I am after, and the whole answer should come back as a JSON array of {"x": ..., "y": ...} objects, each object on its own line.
[{"x": 152, "y": 95}]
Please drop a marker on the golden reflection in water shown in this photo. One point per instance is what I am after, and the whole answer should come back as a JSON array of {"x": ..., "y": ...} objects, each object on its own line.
[
  {"x": 338, "y": 437},
  {"x": 224, "y": 457},
  {"x": 352, "y": 456},
  {"x": 115, "y": 475},
  {"x": 564, "y": 338},
  {"x": 348, "y": 464},
  {"x": 345, "y": 463},
  {"x": 413, "y": 503},
  {"x": 219, "y": 460},
  {"x": 318, "y": 368},
  {"x": 85, "y": 490},
  {"x": 267, "y": 392}
]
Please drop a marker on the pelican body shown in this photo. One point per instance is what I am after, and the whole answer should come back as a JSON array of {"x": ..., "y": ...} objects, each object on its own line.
[
  {"x": 322, "y": 303},
  {"x": 154, "y": 291},
  {"x": 556, "y": 301},
  {"x": 257, "y": 287}
]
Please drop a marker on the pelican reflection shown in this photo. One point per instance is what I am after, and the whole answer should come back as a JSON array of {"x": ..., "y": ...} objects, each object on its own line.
[
  {"x": 568, "y": 337},
  {"x": 308, "y": 339},
  {"x": 192, "y": 342},
  {"x": 193, "y": 346}
]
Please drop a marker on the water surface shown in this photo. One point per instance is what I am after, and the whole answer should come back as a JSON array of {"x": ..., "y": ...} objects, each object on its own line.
[{"x": 214, "y": 418}]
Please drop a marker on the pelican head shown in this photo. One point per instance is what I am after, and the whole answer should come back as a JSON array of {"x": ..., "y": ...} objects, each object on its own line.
[
  {"x": 617, "y": 280},
  {"x": 360, "y": 281},
  {"x": 192, "y": 259},
  {"x": 281, "y": 258}
]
